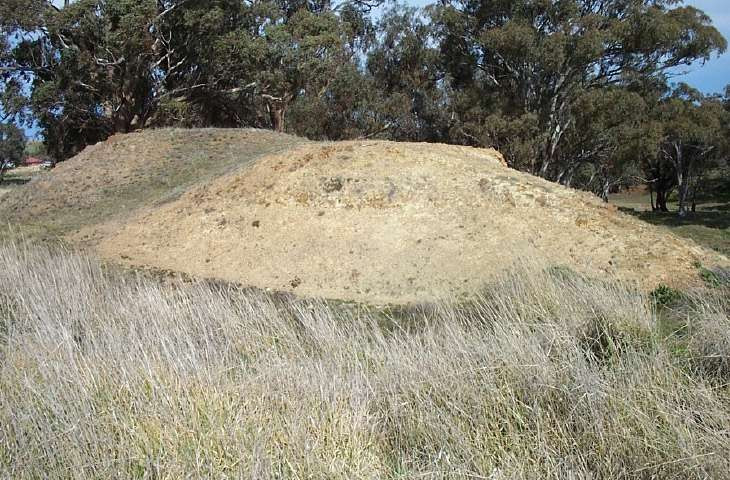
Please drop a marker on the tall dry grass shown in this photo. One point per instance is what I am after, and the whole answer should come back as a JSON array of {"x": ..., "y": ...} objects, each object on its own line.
[{"x": 548, "y": 375}]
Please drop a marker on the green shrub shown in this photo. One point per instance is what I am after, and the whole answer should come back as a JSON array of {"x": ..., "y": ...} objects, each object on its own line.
[
  {"x": 664, "y": 296},
  {"x": 715, "y": 278}
]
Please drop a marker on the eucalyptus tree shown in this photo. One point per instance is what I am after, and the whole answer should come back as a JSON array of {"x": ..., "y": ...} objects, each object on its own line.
[
  {"x": 84, "y": 71},
  {"x": 539, "y": 57},
  {"x": 98, "y": 67},
  {"x": 405, "y": 65},
  {"x": 611, "y": 134},
  {"x": 249, "y": 63},
  {"x": 693, "y": 139},
  {"x": 12, "y": 146}
]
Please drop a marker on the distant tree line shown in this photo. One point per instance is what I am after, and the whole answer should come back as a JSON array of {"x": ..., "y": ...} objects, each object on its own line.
[{"x": 575, "y": 91}]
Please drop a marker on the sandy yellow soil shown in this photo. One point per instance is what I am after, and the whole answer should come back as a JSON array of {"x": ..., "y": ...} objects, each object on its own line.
[{"x": 390, "y": 222}]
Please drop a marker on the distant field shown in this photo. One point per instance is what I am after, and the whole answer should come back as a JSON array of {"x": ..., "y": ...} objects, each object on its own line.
[
  {"x": 17, "y": 177},
  {"x": 21, "y": 174}
]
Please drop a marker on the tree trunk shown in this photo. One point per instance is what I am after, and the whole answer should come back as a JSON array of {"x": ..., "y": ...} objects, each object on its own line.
[
  {"x": 567, "y": 172},
  {"x": 568, "y": 181},
  {"x": 121, "y": 123},
  {"x": 549, "y": 152},
  {"x": 556, "y": 130},
  {"x": 683, "y": 169},
  {"x": 276, "y": 114},
  {"x": 605, "y": 190},
  {"x": 662, "y": 183},
  {"x": 682, "y": 193},
  {"x": 661, "y": 200},
  {"x": 683, "y": 181},
  {"x": 695, "y": 187},
  {"x": 651, "y": 197},
  {"x": 277, "y": 107}
]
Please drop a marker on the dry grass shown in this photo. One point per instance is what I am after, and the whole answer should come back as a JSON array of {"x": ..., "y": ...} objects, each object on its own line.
[{"x": 547, "y": 376}]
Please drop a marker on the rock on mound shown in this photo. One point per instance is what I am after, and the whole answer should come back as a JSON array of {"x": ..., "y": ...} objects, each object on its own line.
[{"x": 393, "y": 222}]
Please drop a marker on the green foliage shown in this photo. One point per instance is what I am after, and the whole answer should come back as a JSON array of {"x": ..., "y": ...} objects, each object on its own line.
[
  {"x": 520, "y": 56},
  {"x": 12, "y": 145},
  {"x": 610, "y": 135},
  {"x": 572, "y": 90},
  {"x": 714, "y": 278},
  {"x": 664, "y": 296},
  {"x": 35, "y": 148},
  {"x": 405, "y": 66},
  {"x": 691, "y": 140},
  {"x": 564, "y": 273}
]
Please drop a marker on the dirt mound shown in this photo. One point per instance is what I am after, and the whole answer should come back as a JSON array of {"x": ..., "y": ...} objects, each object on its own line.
[
  {"x": 373, "y": 221},
  {"x": 392, "y": 222}
]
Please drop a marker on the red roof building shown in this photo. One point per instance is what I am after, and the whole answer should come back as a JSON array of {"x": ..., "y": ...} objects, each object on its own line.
[{"x": 32, "y": 161}]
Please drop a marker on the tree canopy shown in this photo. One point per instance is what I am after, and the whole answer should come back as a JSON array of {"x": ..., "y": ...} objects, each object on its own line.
[
  {"x": 12, "y": 146},
  {"x": 575, "y": 91}
]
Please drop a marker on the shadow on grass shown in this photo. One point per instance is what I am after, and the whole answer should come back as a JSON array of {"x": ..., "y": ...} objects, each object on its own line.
[
  {"x": 14, "y": 181},
  {"x": 716, "y": 189},
  {"x": 709, "y": 227},
  {"x": 717, "y": 216},
  {"x": 720, "y": 208}
]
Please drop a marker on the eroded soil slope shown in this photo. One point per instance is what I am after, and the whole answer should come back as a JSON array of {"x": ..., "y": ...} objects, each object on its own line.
[{"x": 390, "y": 222}]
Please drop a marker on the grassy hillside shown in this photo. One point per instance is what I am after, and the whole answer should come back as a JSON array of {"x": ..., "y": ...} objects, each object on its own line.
[
  {"x": 372, "y": 221},
  {"x": 127, "y": 172},
  {"x": 708, "y": 227},
  {"x": 547, "y": 376}
]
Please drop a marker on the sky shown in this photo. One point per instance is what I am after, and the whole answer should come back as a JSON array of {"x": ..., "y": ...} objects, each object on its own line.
[
  {"x": 715, "y": 74},
  {"x": 710, "y": 77}
]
